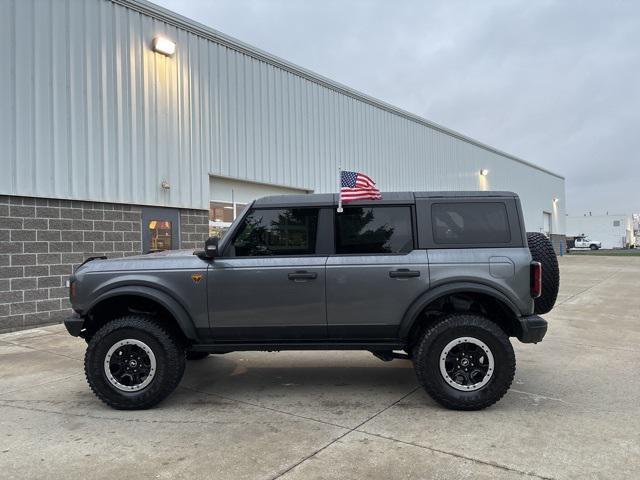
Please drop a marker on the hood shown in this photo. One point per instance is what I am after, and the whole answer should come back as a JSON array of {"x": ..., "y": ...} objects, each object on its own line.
[{"x": 166, "y": 260}]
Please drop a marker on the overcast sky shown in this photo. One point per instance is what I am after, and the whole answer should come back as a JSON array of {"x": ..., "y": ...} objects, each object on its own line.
[{"x": 554, "y": 82}]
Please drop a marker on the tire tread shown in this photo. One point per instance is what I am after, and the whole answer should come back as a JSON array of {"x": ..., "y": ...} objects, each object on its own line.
[
  {"x": 542, "y": 251},
  {"x": 174, "y": 362},
  {"x": 431, "y": 383}
]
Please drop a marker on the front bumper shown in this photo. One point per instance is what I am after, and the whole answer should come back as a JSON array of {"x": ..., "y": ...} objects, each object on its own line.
[
  {"x": 533, "y": 329},
  {"x": 74, "y": 325}
]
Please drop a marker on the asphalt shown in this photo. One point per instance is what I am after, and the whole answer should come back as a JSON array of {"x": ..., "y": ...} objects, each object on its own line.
[{"x": 572, "y": 412}]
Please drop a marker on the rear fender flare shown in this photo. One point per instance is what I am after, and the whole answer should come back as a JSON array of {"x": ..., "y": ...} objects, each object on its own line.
[
  {"x": 173, "y": 307},
  {"x": 413, "y": 312}
]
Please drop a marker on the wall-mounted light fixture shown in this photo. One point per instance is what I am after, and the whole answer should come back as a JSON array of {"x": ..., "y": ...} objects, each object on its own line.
[
  {"x": 484, "y": 172},
  {"x": 163, "y": 45},
  {"x": 165, "y": 185}
]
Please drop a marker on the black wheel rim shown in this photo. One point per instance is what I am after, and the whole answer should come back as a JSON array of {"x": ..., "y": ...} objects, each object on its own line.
[
  {"x": 130, "y": 365},
  {"x": 466, "y": 364}
]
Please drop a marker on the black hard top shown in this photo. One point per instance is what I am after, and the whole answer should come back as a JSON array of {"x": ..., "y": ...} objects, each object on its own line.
[{"x": 388, "y": 198}]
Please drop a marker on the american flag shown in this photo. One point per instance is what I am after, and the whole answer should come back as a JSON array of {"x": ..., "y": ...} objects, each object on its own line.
[{"x": 357, "y": 186}]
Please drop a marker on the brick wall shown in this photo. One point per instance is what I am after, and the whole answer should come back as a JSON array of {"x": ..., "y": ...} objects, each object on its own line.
[
  {"x": 41, "y": 240},
  {"x": 194, "y": 228}
]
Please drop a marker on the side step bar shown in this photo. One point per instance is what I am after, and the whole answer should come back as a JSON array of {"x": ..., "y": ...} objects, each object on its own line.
[{"x": 383, "y": 347}]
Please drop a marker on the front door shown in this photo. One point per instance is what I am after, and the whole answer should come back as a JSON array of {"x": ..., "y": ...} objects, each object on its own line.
[
  {"x": 269, "y": 283},
  {"x": 160, "y": 229},
  {"x": 375, "y": 273}
]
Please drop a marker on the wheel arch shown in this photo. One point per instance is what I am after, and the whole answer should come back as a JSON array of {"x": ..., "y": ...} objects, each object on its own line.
[
  {"x": 412, "y": 316},
  {"x": 150, "y": 296}
]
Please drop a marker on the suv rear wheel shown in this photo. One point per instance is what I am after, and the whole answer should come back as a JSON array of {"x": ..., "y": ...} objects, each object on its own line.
[
  {"x": 465, "y": 362},
  {"x": 133, "y": 363}
]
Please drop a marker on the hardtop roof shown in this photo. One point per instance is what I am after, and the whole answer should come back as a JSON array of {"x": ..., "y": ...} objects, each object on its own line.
[{"x": 388, "y": 198}]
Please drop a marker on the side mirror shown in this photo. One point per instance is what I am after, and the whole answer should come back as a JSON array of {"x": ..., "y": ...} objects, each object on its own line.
[{"x": 211, "y": 247}]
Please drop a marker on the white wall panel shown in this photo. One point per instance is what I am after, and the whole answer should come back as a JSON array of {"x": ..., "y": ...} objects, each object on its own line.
[{"x": 90, "y": 112}]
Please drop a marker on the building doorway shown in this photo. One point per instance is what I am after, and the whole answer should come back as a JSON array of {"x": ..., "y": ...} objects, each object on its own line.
[
  {"x": 160, "y": 229},
  {"x": 546, "y": 224}
]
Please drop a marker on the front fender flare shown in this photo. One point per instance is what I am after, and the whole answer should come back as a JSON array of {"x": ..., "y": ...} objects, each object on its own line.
[
  {"x": 179, "y": 313},
  {"x": 413, "y": 312}
]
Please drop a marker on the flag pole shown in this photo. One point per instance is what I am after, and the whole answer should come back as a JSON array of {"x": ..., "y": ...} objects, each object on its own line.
[{"x": 339, "y": 210}]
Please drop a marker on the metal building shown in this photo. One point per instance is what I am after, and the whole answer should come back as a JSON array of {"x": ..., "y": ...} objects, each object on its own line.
[
  {"x": 110, "y": 147},
  {"x": 613, "y": 231}
]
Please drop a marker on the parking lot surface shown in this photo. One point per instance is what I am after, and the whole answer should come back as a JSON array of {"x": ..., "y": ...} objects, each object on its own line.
[{"x": 572, "y": 412}]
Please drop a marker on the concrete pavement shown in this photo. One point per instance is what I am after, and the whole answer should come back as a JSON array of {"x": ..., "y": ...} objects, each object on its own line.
[{"x": 572, "y": 412}]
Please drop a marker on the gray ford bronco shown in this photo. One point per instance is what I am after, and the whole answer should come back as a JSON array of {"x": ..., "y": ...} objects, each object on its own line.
[{"x": 440, "y": 278}]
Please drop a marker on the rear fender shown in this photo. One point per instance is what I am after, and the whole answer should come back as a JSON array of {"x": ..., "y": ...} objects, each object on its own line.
[{"x": 413, "y": 312}]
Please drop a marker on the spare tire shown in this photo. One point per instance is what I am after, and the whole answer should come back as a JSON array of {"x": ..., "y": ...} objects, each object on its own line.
[{"x": 542, "y": 251}]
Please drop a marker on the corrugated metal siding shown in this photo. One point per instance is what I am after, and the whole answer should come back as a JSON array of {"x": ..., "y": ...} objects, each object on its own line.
[
  {"x": 93, "y": 113},
  {"x": 90, "y": 112}
]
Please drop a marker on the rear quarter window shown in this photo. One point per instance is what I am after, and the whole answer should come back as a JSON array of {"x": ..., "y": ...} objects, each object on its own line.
[{"x": 466, "y": 223}]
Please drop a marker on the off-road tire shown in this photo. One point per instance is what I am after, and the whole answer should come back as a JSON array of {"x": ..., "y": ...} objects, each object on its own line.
[
  {"x": 593, "y": 247},
  {"x": 542, "y": 251},
  {"x": 169, "y": 355},
  {"x": 427, "y": 367},
  {"x": 191, "y": 355}
]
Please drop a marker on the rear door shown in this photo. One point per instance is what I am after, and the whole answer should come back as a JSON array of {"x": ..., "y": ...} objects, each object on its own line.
[
  {"x": 270, "y": 282},
  {"x": 374, "y": 273}
]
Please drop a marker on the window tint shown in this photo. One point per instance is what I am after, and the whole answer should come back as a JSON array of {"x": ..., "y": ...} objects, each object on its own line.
[
  {"x": 287, "y": 231},
  {"x": 468, "y": 223},
  {"x": 374, "y": 230}
]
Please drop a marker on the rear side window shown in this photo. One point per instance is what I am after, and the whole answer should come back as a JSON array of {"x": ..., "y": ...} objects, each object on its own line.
[
  {"x": 367, "y": 230},
  {"x": 283, "y": 231},
  {"x": 469, "y": 223}
]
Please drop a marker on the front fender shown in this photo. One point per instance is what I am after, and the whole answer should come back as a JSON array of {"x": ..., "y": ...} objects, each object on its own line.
[
  {"x": 413, "y": 312},
  {"x": 179, "y": 313}
]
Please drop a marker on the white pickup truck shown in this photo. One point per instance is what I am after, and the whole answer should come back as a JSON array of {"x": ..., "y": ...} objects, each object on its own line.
[{"x": 583, "y": 241}]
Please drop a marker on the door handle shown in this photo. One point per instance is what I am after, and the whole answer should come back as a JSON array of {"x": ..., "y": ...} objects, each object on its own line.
[
  {"x": 302, "y": 275},
  {"x": 404, "y": 273}
]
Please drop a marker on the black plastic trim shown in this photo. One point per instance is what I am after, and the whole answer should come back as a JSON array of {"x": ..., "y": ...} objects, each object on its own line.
[
  {"x": 74, "y": 325},
  {"x": 231, "y": 347},
  {"x": 533, "y": 329}
]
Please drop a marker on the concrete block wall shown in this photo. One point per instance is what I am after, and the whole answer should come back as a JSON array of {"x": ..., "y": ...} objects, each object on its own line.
[
  {"x": 42, "y": 240},
  {"x": 559, "y": 243},
  {"x": 194, "y": 228}
]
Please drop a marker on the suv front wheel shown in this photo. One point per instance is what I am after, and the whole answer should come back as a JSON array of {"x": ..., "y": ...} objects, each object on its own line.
[
  {"x": 133, "y": 363},
  {"x": 465, "y": 362}
]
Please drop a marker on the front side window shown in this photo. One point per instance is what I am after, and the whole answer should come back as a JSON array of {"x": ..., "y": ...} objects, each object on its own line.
[
  {"x": 366, "y": 230},
  {"x": 283, "y": 231},
  {"x": 470, "y": 223},
  {"x": 221, "y": 216}
]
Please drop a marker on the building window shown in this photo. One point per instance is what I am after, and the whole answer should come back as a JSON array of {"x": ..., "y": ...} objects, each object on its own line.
[
  {"x": 221, "y": 216},
  {"x": 160, "y": 235},
  {"x": 616, "y": 223}
]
